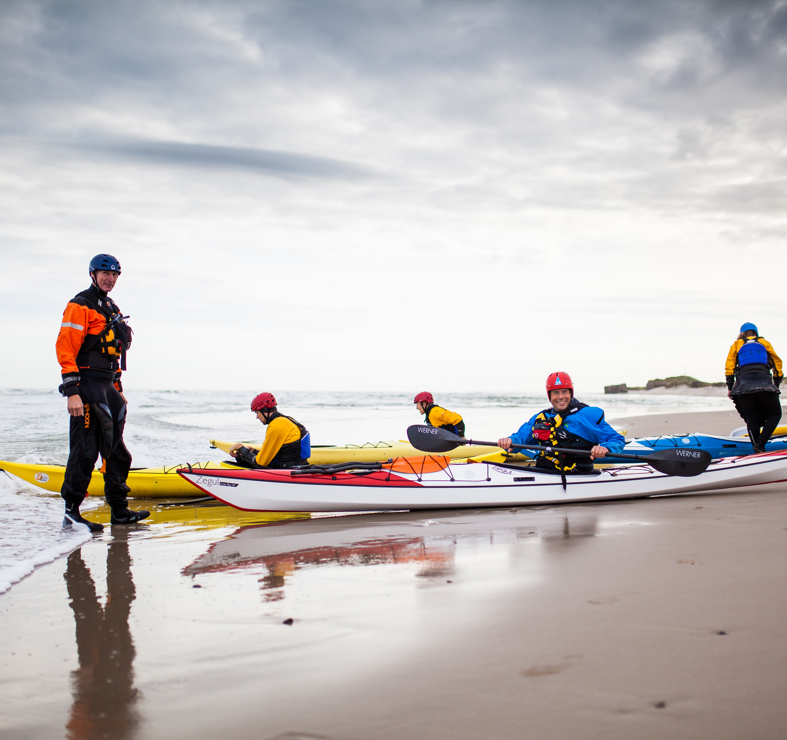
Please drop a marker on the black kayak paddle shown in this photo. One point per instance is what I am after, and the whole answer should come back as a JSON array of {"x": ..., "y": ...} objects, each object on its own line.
[{"x": 673, "y": 461}]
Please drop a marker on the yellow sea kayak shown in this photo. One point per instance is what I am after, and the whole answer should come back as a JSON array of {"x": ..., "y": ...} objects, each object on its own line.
[
  {"x": 161, "y": 482},
  {"x": 369, "y": 452}
]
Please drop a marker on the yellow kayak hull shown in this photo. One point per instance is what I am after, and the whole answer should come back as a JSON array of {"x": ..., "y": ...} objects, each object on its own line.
[
  {"x": 161, "y": 482},
  {"x": 369, "y": 452}
]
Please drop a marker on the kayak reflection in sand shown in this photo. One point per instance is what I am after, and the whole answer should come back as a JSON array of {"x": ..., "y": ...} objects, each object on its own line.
[
  {"x": 370, "y": 540},
  {"x": 283, "y": 556},
  {"x": 103, "y": 685}
]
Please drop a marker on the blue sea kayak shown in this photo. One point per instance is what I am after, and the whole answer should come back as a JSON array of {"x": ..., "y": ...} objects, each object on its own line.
[{"x": 717, "y": 446}]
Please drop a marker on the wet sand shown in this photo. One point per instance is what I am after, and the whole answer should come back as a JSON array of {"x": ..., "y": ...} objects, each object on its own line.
[{"x": 658, "y": 618}]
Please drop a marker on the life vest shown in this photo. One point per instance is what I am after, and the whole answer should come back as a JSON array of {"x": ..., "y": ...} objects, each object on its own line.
[
  {"x": 292, "y": 453},
  {"x": 550, "y": 431},
  {"x": 105, "y": 351},
  {"x": 455, "y": 428},
  {"x": 752, "y": 353}
]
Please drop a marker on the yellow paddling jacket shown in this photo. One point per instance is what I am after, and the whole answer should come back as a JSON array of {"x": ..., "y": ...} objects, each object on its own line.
[
  {"x": 281, "y": 431},
  {"x": 437, "y": 416}
]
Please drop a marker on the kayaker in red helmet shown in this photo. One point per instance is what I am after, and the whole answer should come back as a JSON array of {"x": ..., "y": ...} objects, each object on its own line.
[
  {"x": 287, "y": 443},
  {"x": 754, "y": 373},
  {"x": 436, "y": 416},
  {"x": 567, "y": 423}
]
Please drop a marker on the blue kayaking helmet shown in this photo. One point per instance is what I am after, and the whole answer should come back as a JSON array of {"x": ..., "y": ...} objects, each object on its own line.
[
  {"x": 748, "y": 326},
  {"x": 104, "y": 262}
]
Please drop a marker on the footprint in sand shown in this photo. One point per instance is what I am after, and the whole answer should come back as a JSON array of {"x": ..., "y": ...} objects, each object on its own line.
[{"x": 542, "y": 670}]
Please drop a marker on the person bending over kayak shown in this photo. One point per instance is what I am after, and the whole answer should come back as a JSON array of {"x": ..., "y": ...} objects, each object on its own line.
[
  {"x": 91, "y": 349},
  {"x": 287, "y": 443},
  {"x": 436, "y": 416},
  {"x": 754, "y": 373},
  {"x": 568, "y": 423}
]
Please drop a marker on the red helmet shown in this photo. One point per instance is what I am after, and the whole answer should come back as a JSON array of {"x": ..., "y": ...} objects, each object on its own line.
[
  {"x": 263, "y": 401},
  {"x": 424, "y": 397},
  {"x": 559, "y": 380}
]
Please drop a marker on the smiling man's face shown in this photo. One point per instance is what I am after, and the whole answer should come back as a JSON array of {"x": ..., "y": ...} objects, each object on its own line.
[{"x": 560, "y": 398}]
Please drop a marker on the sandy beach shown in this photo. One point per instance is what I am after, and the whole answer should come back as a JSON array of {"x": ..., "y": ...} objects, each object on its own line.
[{"x": 656, "y": 618}]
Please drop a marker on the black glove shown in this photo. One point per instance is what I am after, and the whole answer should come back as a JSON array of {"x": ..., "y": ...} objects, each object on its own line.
[{"x": 246, "y": 457}]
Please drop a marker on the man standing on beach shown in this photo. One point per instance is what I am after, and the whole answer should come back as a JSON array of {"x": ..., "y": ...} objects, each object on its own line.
[
  {"x": 568, "y": 423},
  {"x": 91, "y": 349},
  {"x": 754, "y": 372}
]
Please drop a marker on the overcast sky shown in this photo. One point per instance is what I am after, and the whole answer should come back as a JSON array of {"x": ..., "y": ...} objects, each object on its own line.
[{"x": 396, "y": 195}]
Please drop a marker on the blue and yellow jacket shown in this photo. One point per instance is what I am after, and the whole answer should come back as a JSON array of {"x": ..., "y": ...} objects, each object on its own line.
[
  {"x": 753, "y": 377},
  {"x": 587, "y": 422}
]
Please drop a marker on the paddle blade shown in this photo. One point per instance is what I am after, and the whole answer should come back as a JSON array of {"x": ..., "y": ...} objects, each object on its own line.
[
  {"x": 431, "y": 439},
  {"x": 677, "y": 461}
]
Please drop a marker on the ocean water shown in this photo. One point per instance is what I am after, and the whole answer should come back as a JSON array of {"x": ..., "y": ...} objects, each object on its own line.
[{"x": 172, "y": 427}]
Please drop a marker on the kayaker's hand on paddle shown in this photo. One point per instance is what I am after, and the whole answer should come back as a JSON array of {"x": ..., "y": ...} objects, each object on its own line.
[
  {"x": 75, "y": 405},
  {"x": 505, "y": 443},
  {"x": 598, "y": 451}
]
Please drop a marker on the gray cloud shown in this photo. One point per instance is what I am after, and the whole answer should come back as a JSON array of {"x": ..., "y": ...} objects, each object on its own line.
[
  {"x": 211, "y": 158},
  {"x": 76, "y": 48}
]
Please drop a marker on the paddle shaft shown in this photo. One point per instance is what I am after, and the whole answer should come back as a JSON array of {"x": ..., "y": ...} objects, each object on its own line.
[{"x": 542, "y": 448}]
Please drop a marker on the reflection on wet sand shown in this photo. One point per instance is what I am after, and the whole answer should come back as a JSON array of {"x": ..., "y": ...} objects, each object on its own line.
[
  {"x": 104, "y": 697},
  {"x": 391, "y": 539}
]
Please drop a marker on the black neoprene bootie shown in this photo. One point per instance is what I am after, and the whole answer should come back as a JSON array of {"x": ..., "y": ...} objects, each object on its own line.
[
  {"x": 72, "y": 516},
  {"x": 126, "y": 516}
]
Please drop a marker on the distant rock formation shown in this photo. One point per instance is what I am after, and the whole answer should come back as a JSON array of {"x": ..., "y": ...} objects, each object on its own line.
[{"x": 678, "y": 381}]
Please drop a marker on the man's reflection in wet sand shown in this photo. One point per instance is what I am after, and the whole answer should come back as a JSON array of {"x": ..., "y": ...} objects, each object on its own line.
[{"x": 102, "y": 686}]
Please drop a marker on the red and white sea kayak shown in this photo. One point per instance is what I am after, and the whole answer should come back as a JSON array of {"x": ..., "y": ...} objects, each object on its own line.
[{"x": 439, "y": 484}]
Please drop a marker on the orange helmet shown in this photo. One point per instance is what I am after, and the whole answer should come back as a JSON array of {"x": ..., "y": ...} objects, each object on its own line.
[
  {"x": 424, "y": 397},
  {"x": 559, "y": 380},
  {"x": 263, "y": 401}
]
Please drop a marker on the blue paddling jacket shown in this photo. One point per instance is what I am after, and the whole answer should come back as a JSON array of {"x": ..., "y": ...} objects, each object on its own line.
[{"x": 580, "y": 427}]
